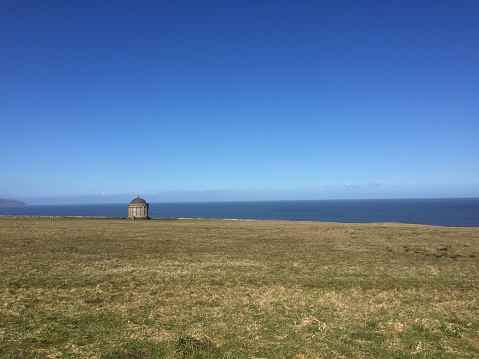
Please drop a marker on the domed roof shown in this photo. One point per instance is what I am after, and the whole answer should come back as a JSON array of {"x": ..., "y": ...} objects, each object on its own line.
[{"x": 138, "y": 200}]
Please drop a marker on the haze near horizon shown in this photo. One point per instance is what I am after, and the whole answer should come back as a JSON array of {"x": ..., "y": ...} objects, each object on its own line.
[{"x": 213, "y": 100}]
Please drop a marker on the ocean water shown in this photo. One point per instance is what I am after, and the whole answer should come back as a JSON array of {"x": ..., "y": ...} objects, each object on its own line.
[{"x": 455, "y": 212}]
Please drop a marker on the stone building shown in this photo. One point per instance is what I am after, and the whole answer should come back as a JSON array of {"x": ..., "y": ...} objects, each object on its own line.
[{"x": 138, "y": 209}]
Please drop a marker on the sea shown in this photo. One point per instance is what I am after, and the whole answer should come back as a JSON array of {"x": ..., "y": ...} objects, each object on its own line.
[{"x": 451, "y": 212}]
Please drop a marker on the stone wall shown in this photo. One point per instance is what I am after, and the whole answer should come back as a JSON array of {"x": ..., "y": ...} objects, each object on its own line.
[{"x": 137, "y": 211}]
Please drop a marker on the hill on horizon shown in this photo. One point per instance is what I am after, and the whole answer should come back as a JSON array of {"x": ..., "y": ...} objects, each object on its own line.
[{"x": 11, "y": 203}]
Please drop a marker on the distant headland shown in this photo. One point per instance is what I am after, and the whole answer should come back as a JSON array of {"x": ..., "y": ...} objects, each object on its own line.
[{"x": 11, "y": 203}]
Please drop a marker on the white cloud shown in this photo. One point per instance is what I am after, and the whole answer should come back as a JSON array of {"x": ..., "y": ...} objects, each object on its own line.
[
  {"x": 375, "y": 183},
  {"x": 199, "y": 191},
  {"x": 108, "y": 193},
  {"x": 351, "y": 185}
]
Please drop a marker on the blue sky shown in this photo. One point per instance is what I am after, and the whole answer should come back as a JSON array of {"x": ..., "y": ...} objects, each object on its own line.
[{"x": 238, "y": 100}]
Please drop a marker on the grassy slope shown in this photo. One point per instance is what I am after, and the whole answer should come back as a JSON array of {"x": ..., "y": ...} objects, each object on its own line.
[{"x": 236, "y": 289}]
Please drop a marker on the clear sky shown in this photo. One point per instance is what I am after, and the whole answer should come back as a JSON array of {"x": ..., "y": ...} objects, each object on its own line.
[{"x": 238, "y": 100}]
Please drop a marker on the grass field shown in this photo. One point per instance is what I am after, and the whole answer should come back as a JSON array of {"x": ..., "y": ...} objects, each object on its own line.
[{"x": 115, "y": 288}]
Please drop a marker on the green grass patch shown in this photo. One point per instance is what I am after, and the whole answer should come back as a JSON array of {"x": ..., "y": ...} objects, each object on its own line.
[{"x": 112, "y": 288}]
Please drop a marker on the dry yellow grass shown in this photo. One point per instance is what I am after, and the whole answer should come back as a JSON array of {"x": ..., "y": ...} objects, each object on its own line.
[{"x": 112, "y": 288}]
